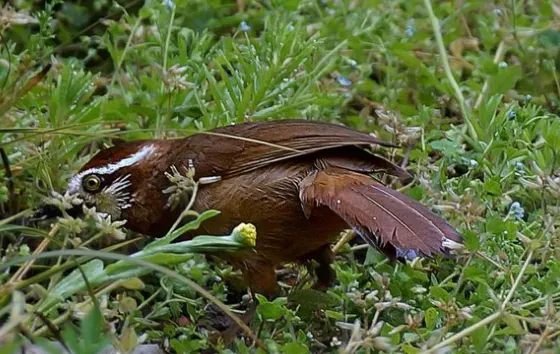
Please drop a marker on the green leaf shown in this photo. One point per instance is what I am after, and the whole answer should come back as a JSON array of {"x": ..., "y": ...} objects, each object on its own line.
[
  {"x": 447, "y": 147},
  {"x": 294, "y": 348},
  {"x": 513, "y": 324},
  {"x": 29, "y": 231},
  {"x": 335, "y": 315},
  {"x": 92, "y": 325},
  {"x": 504, "y": 80},
  {"x": 133, "y": 284},
  {"x": 270, "y": 311},
  {"x": 495, "y": 225},
  {"x": 549, "y": 38},
  {"x": 409, "y": 349},
  {"x": 272, "y": 346},
  {"x": 127, "y": 304},
  {"x": 419, "y": 276},
  {"x": 479, "y": 338},
  {"x": 410, "y": 60},
  {"x": 312, "y": 299},
  {"x": 431, "y": 317},
  {"x": 71, "y": 338},
  {"x": 129, "y": 339},
  {"x": 493, "y": 187},
  {"x": 373, "y": 256},
  {"x": 474, "y": 273},
  {"x": 439, "y": 293},
  {"x": 13, "y": 346},
  {"x": 346, "y": 276},
  {"x": 281, "y": 301},
  {"x": 261, "y": 299},
  {"x": 471, "y": 240},
  {"x": 417, "y": 192},
  {"x": 193, "y": 225},
  {"x": 91, "y": 338},
  {"x": 72, "y": 283},
  {"x": 48, "y": 346},
  {"x": 123, "y": 269}
]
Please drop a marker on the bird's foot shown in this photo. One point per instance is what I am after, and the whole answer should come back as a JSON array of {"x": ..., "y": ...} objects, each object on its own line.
[
  {"x": 225, "y": 330},
  {"x": 228, "y": 335}
]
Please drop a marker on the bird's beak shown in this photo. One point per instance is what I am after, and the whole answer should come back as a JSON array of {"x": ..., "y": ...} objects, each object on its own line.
[{"x": 47, "y": 211}]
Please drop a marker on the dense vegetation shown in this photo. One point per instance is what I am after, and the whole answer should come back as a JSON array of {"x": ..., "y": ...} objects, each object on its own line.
[{"x": 469, "y": 89}]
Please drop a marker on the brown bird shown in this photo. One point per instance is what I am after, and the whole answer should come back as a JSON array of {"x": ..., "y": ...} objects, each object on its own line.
[{"x": 299, "y": 182}]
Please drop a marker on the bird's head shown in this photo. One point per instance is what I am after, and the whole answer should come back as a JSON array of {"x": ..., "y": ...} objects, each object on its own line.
[{"x": 127, "y": 182}]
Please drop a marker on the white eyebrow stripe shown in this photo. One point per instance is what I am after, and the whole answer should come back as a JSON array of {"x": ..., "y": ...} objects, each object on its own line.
[
  {"x": 127, "y": 161},
  {"x": 113, "y": 167}
]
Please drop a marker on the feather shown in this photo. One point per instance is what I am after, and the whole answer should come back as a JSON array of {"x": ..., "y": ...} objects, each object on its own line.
[
  {"x": 358, "y": 160},
  {"x": 250, "y": 146},
  {"x": 385, "y": 218}
]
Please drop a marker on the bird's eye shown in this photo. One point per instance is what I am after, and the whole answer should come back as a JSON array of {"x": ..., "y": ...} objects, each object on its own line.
[{"x": 92, "y": 183}]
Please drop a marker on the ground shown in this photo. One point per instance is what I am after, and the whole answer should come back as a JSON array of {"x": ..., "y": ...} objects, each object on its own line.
[{"x": 468, "y": 89}]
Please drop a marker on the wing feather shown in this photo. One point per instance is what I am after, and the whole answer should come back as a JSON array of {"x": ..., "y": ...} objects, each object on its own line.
[
  {"x": 255, "y": 145},
  {"x": 382, "y": 216}
]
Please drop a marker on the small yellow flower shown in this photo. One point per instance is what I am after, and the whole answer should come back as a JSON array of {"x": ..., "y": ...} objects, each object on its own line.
[{"x": 245, "y": 234}]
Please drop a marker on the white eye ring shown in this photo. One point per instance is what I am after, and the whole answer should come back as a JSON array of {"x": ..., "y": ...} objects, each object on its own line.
[{"x": 91, "y": 183}]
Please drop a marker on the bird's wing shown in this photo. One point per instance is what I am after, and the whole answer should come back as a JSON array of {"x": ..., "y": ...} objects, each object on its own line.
[
  {"x": 238, "y": 149},
  {"x": 383, "y": 217}
]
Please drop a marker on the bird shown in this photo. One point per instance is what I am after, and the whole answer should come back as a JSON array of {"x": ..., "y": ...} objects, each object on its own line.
[{"x": 299, "y": 182}]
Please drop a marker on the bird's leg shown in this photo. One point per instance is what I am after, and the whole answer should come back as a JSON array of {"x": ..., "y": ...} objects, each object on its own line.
[
  {"x": 326, "y": 276},
  {"x": 228, "y": 335}
]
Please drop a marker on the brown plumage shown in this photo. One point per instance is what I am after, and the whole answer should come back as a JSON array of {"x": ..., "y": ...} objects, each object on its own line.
[{"x": 299, "y": 182}]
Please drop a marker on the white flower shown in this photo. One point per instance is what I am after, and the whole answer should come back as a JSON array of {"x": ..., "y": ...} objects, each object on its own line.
[
  {"x": 104, "y": 224},
  {"x": 244, "y": 27},
  {"x": 335, "y": 342},
  {"x": 169, "y": 3},
  {"x": 74, "y": 226},
  {"x": 517, "y": 210},
  {"x": 182, "y": 187},
  {"x": 9, "y": 16},
  {"x": 64, "y": 202}
]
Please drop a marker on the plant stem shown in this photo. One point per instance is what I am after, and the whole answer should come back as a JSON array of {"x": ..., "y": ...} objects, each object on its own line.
[
  {"x": 462, "y": 276},
  {"x": 543, "y": 336},
  {"x": 20, "y": 273},
  {"x": 464, "y": 332},
  {"x": 160, "y": 119},
  {"x": 447, "y": 68},
  {"x": 517, "y": 281},
  {"x": 125, "y": 51},
  {"x": 536, "y": 301},
  {"x": 186, "y": 211},
  {"x": 536, "y": 321},
  {"x": 497, "y": 58},
  {"x": 344, "y": 240}
]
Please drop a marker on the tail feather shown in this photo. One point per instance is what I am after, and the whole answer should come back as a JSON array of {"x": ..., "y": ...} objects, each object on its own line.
[{"x": 385, "y": 218}]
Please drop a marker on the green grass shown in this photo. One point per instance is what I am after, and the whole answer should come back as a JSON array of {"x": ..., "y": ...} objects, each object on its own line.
[{"x": 472, "y": 94}]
